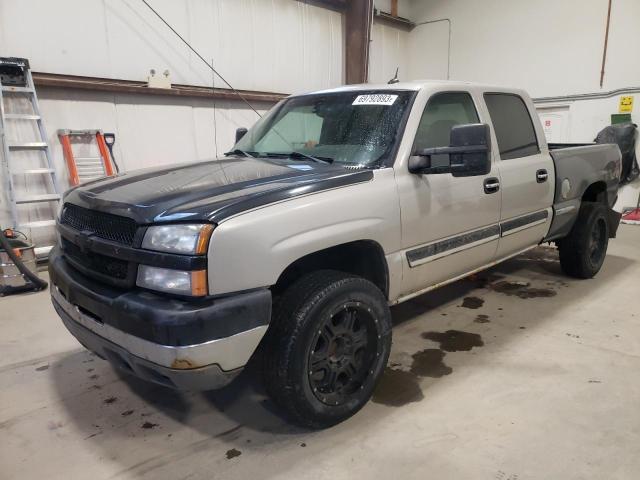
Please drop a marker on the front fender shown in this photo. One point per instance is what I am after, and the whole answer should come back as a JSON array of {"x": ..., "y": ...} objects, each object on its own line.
[{"x": 252, "y": 249}]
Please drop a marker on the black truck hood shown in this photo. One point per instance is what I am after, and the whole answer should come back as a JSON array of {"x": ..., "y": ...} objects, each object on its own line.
[{"x": 210, "y": 190}]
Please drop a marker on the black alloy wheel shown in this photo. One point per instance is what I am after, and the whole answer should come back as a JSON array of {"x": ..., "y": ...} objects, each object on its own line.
[{"x": 343, "y": 352}]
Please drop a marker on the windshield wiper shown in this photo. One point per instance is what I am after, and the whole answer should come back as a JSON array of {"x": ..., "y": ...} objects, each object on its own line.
[
  {"x": 237, "y": 151},
  {"x": 299, "y": 155}
]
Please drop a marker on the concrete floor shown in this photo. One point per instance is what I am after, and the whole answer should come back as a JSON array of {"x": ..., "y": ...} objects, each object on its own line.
[{"x": 538, "y": 378}]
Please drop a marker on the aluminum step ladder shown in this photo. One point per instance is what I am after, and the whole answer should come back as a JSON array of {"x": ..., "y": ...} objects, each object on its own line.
[{"x": 16, "y": 80}]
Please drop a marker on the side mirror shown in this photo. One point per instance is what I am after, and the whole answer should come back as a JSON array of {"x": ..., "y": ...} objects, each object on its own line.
[
  {"x": 467, "y": 155},
  {"x": 240, "y": 132}
]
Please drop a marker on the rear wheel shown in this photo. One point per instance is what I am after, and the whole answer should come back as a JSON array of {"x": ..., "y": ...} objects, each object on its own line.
[
  {"x": 583, "y": 251},
  {"x": 326, "y": 348}
]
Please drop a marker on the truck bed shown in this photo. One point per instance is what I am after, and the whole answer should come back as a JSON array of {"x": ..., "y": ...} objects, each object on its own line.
[
  {"x": 559, "y": 146},
  {"x": 577, "y": 168}
]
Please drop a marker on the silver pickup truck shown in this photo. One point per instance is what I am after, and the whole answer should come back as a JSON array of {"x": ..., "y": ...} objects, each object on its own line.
[{"x": 335, "y": 206}]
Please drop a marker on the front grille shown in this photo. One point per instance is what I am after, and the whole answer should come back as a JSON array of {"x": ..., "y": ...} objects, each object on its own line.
[
  {"x": 104, "y": 225},
  {"x": 94, "y": 262}
]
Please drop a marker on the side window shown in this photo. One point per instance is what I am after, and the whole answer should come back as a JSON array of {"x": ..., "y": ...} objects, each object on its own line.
[
  {"x": 513, "y": 125},
  {"x": 444, "y": 110}
]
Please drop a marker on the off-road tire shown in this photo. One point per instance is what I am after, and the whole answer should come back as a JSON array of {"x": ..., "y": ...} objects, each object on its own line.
[
  {"x": 583, "y": 251},
  {"x": 291, "y": 347}
]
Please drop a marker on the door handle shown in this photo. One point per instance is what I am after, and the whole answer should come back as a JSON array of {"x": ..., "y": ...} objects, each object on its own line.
[
  {"x": 491, "y": 185},
  {"x": 541, "y": 175}
]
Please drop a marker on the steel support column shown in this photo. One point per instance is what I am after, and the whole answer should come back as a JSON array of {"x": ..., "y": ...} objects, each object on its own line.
[{"x": 358, "y": 18}]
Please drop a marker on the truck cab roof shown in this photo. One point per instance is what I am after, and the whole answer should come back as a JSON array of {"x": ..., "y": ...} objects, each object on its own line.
[{"x": 417, "y": 85}]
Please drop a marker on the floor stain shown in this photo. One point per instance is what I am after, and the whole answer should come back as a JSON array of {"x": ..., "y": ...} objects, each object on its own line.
[
  {"x": 482, "y": 319},
  {"x": 549, "y": 254},
  {"x": 148, "y": 425},
  {"x": 472, "y": 302},
  {"x": 397, "y": 388},
  {"x": 500, "y": 475},
  {"x": 110, "y": 400},
  {"x": 522, "y": 290},
  {"x": 54, "y": 425},
  {"x": 484, "y": 280},
  {"x": 455, "y": 340},
  {"x": 303, "y": 445},
  {"x": 229, "y": 431},
  {"x": 234, "y": 452},
  {"x": 42, "y": 368},
  {"x": 127, "y": 413},
  {"x": 428, "y": 363},
  {"x": 94, "y": 376}
]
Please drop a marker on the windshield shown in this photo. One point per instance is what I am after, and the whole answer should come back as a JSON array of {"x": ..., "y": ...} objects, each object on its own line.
[{"x": 351, "y": 128}]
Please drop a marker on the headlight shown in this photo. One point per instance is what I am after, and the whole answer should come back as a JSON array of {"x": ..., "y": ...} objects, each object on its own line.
[
  {"x": 179, "y": 282},
  {"x": 185, "y": 239}
]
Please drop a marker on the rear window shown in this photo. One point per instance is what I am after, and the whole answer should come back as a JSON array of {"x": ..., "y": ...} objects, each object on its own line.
[{"x": 512, "y": 124}]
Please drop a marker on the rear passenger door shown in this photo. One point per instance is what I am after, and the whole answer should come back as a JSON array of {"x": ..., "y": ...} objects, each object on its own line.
[{"x": 526, "y": 174}]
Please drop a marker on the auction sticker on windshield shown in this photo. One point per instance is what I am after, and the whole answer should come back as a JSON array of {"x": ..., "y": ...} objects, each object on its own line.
[{"x": 375, "y": 99}]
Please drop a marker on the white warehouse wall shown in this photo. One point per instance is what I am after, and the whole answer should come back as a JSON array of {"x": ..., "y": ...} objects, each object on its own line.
[
  {"x": 388, "y": 50},
  {"x": 283, "y": 46},
  {"x": 271, "y": 45},
  {"x": 547, "y": 47}
]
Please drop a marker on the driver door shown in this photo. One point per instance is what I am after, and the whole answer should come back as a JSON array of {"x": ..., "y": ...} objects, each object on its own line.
[{"x": 449, "y": 223}]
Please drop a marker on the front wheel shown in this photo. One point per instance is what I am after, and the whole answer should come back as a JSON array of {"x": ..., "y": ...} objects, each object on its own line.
[
  {"x": 583, "y": 251},
  {"x": 326, "y": 348}
]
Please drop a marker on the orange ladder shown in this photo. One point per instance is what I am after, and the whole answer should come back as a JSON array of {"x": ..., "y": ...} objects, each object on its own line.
[{"x": 84, "y": 169}]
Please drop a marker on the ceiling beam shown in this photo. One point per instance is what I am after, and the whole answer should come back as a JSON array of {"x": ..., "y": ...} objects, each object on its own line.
[
  {"x": 41, "y": 79},
  {"x": 339, "y": 5}
]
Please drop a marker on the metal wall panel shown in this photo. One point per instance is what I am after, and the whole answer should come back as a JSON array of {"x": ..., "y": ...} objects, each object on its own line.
[
  {"x": 388, "y": 51},
  {"x": 273, "y": 45},
  {"x": 547, "y": 47},
  {"x": 270, "y": 45}
]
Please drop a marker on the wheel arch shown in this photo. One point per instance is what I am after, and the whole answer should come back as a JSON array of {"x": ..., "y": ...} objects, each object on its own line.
[
  {"x": 596, "y": 192},
  {"x": 364, "y": 258}
]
